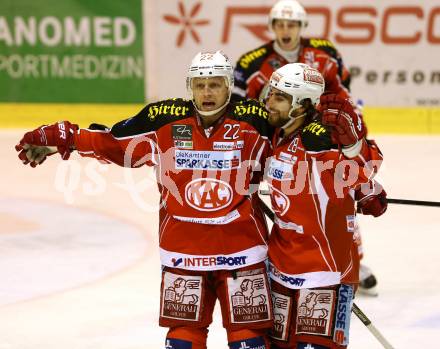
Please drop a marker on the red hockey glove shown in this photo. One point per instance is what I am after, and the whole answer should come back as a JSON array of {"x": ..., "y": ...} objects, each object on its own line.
[
  {"x": 59, "y": 135},
  {"x": 371, "y": 199},
  {"x": 346, "y": 121},
  {"x": 35, "y": 155}
]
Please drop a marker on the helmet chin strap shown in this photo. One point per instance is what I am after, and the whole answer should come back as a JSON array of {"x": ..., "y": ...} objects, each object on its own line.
[
  {"x": 292, "y": 119},
  {"x": 211, "y": 112}
]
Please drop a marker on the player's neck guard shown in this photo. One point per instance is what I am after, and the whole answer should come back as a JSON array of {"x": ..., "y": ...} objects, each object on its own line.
[{"x": 292, "y": 120}]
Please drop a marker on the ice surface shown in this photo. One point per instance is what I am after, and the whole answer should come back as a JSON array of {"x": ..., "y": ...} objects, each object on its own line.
[{"x": 66, "y": 282}]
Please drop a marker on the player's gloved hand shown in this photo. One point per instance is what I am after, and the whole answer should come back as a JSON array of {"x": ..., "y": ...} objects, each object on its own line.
[
  {"x": 59, "y": 135},
  {"x": 371, "y": 199},
  {"x": 35, "y": 155},
  {"x": 346, "y": 121}
]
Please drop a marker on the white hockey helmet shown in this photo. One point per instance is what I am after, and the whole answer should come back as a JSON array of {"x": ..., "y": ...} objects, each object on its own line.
[
  {"x": 299, "y": 81},
  {"x": 290, "y": 10},
  {"x": 210, "y": 64}
]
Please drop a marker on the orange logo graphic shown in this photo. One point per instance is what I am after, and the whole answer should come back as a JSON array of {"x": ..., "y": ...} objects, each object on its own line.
[{"x": 187, "y": 21}]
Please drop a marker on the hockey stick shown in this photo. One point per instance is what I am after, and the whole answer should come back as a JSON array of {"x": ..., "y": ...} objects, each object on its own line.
[
  {"x": 394, "y": 201},
  {"x": 414, "y": 202},
  {"x": 367, "y": 322},
  {"x": 359, "y": 313}
]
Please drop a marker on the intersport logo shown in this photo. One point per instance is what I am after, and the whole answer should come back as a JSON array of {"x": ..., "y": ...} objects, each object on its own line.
[{"x": 208, "y": 194}]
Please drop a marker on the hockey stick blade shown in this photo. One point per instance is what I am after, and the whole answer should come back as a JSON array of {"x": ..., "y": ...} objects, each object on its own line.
[{"x": 356, "y": 310}]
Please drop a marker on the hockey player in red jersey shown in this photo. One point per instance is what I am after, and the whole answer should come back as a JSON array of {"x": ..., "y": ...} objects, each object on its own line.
[
  {"x": 287, "y": 20},
  {"x": 318, "y": 158},
  {"x": 208, "y": 154}
]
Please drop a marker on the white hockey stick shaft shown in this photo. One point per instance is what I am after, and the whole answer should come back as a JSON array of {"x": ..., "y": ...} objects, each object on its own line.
[{"x": 374, "y": 331}]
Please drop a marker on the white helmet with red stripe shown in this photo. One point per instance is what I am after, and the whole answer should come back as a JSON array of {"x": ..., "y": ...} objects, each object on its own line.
[
  {"x": 210, "y": 64},
  {"x": 299, "y": 81},
  {"x": 290, "y": 10}
]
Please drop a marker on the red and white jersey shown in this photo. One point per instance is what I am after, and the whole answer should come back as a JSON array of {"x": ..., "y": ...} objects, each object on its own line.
[
  {"x": 208, "y": 219},
  {"x": 311, "y": 182},
  {"x": 254, "y": 69}
]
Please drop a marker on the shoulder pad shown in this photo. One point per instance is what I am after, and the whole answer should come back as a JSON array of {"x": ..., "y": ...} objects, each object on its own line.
[
  {"x": 174, "y": 107},
  {"x": 316, "y": 137},
  {"x": 154, "y": 116},
  {"x": 254, "y": 113},
  {"x": 255, "y": 56},
  {"x": 321, "y": 44},
  {"x": 249, "y": 108}
]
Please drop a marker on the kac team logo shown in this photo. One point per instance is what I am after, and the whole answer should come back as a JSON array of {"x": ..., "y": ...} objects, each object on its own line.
[
  {"x": 280, "y": 201},
  {"x": 208, "y": 194}
]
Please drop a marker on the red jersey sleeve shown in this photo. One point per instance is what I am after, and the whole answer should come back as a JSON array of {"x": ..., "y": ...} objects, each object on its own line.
[
  {"x": 134, "y": 151},
  {"x": 132, "y": 142}
]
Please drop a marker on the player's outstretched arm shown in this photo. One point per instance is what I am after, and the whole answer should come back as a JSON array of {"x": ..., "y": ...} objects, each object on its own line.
[
  {"x": 125, "y": 144},
  {"x": 46, "y": 140}
]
